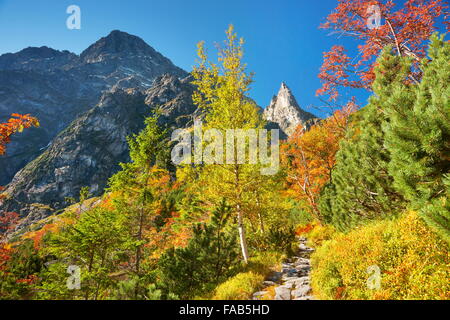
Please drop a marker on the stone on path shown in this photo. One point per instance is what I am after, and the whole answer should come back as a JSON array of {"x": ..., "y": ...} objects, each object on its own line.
[
  {"x": 293, "y": 282},
  {"x": 275, "y": 277},
  {"x": 299, "y": 281},
  {"x": 305, "y": 298},
  {"x": 303, "y": 291},
  {"x": 269, "y": 284},
  {"x": 282, "y": 293}
]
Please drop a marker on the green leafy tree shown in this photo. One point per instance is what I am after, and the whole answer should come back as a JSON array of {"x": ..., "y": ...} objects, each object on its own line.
[
  {"x": 94, "y": 245},
  {"x": 222, "y": 92}
]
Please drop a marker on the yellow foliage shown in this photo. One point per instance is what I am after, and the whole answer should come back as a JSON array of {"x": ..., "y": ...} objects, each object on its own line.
[
  {"x": 243, "y": 285},
  {"x": 320, "y": 233},
  {"x": 240, "y": 287},
  {"x": 414, "y": 262}
]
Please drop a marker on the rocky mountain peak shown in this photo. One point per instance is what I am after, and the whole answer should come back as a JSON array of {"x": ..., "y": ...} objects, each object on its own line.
[
  {"x": 285, "y": 111},
  {"x": 59, "y": 86},
  {"x": 118, "y": 43}
]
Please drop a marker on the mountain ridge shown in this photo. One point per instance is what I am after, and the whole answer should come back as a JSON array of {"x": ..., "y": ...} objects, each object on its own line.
[{"x": 57, "y": 86}]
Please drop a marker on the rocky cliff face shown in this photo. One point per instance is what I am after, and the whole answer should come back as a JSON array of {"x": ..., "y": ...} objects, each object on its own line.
[
  {"x": 58, "y": 86},
  {"x": 285, "y": 111},
  {"x": 89, "y": 150}
]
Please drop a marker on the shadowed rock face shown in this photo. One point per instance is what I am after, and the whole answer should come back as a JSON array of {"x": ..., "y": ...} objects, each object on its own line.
[
  {"x": 285, "y": 111},
  {"x": 58, "y": 86},
  {"x": 90, "y": 149},
  {"x": 85, "y": 154}
]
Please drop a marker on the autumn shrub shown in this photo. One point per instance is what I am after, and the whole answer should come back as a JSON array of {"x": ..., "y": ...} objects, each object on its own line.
[
  {"x": 265, "y": 262},
  {"x": 319, "y": 233},
  {"x": 239, "y": 287},
  {"x": 413, "y": 262},
  {"x": 244, "y": 284}
]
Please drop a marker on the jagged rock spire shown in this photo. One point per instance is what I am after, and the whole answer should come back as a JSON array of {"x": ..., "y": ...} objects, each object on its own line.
[{"x": 285, "y": 111}]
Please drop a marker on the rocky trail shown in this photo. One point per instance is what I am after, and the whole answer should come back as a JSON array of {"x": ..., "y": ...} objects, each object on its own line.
[{"x": 293, "y": 281}]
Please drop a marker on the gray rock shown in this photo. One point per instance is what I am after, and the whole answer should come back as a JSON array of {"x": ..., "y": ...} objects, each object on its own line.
[
  {"x": 285, "y": 111},
  {"x": 288, "y": 279},
  {"x": 302, "y": 261},
  {"x": 282, "y": 293},
  {"x": 290, "y": 272},
  {"x": 275, "y": 277},
  {"x": 297, "y": 282},
  {"x": 302, "y": 291},
  {"x": 303, "y": 247},
  {"x": 301, "y": 267},
  {"x": 288, "y": 285}
]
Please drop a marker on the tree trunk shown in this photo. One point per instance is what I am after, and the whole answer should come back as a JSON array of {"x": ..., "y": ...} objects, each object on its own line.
[
  {"x": 261, "y": 220},
  {"x": 242, "y": 237},
  {"x": 139, "y": 237},
  {"x": 241, "y": 227}
]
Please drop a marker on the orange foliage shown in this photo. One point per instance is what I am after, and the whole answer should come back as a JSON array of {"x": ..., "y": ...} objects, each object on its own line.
[
  {"x": 303, "y": 230},
  {"x": 170, "y": 235},
  {"x": 334, "y": 73},
  {"x": 8, "y": 221},
  {"x": 406, "y": 29},
  {"x": 38, "y": 235},
  {"x": 310, "y": 156},
  {"x": 53, "y": 227},
  {"x": 16, "y": 124}
]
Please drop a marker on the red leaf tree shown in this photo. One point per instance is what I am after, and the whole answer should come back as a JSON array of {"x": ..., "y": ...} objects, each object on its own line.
[{"x": 406, "y": 28}]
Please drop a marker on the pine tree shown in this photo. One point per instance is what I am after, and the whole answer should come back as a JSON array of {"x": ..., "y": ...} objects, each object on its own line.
[
  {"x": 362, "y": 188},
  {"x": 418, "y": 139},
  {"x": 208, "y": 258},
  {"x": 140, "y": 188}
]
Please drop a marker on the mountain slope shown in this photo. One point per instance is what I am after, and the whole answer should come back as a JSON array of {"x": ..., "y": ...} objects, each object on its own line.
[
  {"x": 89, "y": 151},
  {"x": 57, "y": 86}
]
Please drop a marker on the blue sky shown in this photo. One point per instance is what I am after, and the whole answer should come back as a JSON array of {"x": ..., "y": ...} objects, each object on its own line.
[{"x": 283, "y": 39}]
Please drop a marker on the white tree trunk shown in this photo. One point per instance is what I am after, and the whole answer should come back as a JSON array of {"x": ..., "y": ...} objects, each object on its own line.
[{"x": 242, "y": 237}]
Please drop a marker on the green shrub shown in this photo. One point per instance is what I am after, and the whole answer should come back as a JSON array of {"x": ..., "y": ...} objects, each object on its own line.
[{"x": 281, "y": 238}]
